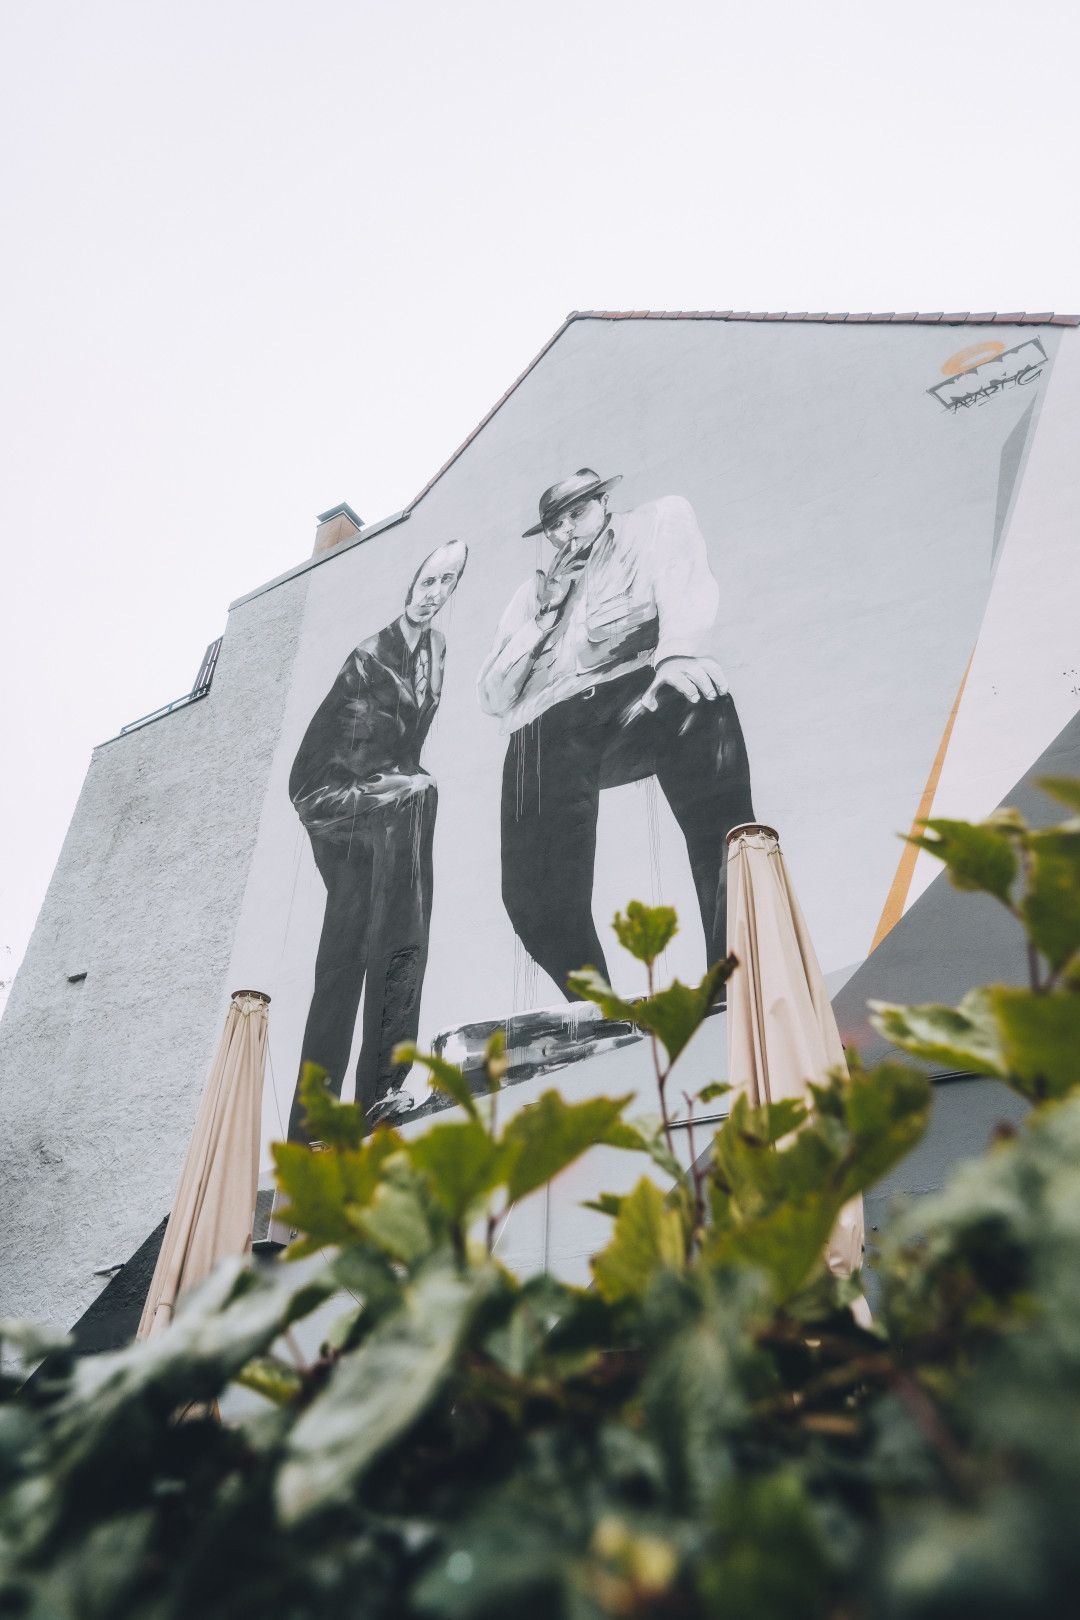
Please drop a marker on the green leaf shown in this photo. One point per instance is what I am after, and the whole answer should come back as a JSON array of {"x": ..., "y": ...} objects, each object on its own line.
[
  {"x": 885, "y": 1111},
  {"x": 1040, "y": 1039},
  {"x": 964, "y": 1037},
  {"x": 774, "y": 1207},
  {"x": 1051, "y": 907},
  {"x": 374, "y": 1395},
  {"x": 770, "y": 1555},
  {"x": 313, "y": 1182},
  {"x": 675, "y": 1014},
  {"x": 605, "y": 1203},
  {"x": 672, "y": 1015},
  {"x": 345, "y": 1331},
  {"x": 644, "y": 931},
  {"x": 647, "y": 1237},
  {"x": 550, "y": 1332},
  {"x": 715, "y": 1089},
  {"x": 324, "y": 1184},
  {"x": 328, "y": 1121},
  {"x": 271, "y": 1378},
  {"x": 219, "y": 1326},
  {"x": 549, "y": 1134},
  {"x": 462, "y": 1163},
  {"x": 401, "y": 1219},
  {"x": 644, "y": 1135},
  {"x": 496, "y": 1562},
  {"x": 751, "y": 1175},
  {"x": 444, "y": 1076},
  {"x": 979, "y": 856},
  {"x": 591, "y": 985},
  {"x": 773, "y": 1121},
  {"x": 695, "y": 1394},
  {"x": 496, "y": 1062},
  {"x": 1066, "y": 789},
  {"x": 786, "y": 1242},
  {"x": 372, "y": 1278},
  {"x": 93, "y": 1575}
]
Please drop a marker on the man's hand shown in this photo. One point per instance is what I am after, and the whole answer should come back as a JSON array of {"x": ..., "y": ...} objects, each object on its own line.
[
  {"x": 695, "y": 679},
  {"x": 398, "y": 788},
  {"x": 551, "y": 593}
]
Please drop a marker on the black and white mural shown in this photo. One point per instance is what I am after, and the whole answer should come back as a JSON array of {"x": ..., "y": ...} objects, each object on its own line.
[
  {"x": 601, "y": 675},
  {"x": 688, "y": 574},
  {"x": 368, "y": 807}
]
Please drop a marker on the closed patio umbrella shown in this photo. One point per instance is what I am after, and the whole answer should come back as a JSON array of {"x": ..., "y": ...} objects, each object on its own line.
[
  {"x": 212, "y": 1212},
  {"x": 781, "y": 1032}
]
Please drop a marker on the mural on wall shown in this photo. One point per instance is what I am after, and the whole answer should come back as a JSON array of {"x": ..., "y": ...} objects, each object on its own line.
[
  {"x": 751, "y": 586},
  {"x": 601, "y": 676},
  {"x": 368, "y": 806}
]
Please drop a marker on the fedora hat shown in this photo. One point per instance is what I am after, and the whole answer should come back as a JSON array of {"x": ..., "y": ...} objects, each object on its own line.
[{"x": 583, "y": 484}]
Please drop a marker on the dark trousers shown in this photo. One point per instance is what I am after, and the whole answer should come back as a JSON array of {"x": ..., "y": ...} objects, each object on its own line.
[
  {"x": 554, "y": 772},
  {"x": 374, "y": 935}
]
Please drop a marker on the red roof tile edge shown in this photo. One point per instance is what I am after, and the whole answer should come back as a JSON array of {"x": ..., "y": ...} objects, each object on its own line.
[{"x": 910, "y": 319}]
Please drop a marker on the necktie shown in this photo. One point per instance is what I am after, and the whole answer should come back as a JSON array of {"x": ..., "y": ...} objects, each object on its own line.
[{"x": 422, "y": 672}]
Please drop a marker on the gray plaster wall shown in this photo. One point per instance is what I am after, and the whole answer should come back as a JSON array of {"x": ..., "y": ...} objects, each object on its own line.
[
  {"x": 965, "y": 1114},
  {"x": 100, "y": 1080}
]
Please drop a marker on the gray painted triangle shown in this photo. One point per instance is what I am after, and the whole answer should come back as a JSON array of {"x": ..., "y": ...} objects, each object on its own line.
[
  {"x": 949, "y": 941},
  {"x": 1013, "y": 454}
]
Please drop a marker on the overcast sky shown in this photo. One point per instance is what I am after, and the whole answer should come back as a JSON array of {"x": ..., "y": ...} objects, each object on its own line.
[{"x": 261, "y": 257}]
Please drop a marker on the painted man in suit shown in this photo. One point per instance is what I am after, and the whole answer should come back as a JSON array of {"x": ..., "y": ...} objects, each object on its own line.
[
  {"x": 602, "y": 674},
  {"x": 369, "y": 809}
]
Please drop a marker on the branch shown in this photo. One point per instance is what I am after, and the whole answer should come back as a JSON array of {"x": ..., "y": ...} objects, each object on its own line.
[{"x": 660, "y": 1072}]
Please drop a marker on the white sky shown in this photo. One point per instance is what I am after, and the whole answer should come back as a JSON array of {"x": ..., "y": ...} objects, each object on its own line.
[{"x": 260, "y": 257}]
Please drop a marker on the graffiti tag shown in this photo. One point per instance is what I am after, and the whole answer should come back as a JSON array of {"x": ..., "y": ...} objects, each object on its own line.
[{"x": 975, "y": 386}]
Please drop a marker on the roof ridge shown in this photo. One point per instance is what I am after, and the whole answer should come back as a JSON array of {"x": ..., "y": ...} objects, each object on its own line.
[
  {"x": 909, "y": 317},
  {"x": 912, "y": 318}
]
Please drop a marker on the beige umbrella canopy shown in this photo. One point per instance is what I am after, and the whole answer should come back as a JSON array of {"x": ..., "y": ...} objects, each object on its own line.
[
  {"x": 781, "y": 1032},
  {"x": 212, "y": 1212}
]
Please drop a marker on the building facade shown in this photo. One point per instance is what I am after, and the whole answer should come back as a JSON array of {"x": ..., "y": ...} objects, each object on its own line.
[{"x": 819, "y": 570}]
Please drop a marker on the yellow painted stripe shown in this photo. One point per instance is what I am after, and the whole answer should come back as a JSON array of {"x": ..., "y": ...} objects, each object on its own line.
[{"x": 901, "y": 883}]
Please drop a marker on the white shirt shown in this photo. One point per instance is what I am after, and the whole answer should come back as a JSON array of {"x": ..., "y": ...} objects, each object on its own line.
[{"x": 645, "y": 592}]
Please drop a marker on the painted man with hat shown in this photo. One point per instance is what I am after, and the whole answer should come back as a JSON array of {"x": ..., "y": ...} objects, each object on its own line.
[{"x": 601, "y": 674}]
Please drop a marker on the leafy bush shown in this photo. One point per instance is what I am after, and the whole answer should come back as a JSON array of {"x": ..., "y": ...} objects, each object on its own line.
[{"x": 706, "y": 1431}]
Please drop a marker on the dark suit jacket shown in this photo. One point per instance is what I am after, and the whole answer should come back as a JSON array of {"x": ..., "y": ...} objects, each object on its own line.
[{"x": 368, "y": 725}]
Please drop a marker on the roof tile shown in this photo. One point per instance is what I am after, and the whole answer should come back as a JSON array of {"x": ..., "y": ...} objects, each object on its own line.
[{"x": 892, "y": 317}]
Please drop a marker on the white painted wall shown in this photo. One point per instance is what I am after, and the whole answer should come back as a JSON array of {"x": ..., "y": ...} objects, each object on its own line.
[
  {"x": 850, "y": 521},
  {"x": 850, "y": 525}
]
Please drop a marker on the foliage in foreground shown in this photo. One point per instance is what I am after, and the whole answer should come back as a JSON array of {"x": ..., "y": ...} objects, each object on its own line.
[{"x": 705, "y": 1431}]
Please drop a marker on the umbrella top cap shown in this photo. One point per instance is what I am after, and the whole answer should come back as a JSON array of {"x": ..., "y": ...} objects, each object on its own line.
[{"x": 746, "y": 827}]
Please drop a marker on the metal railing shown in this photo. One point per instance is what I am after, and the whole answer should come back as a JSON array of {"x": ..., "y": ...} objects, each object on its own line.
[{"x": 202, "y": 685}]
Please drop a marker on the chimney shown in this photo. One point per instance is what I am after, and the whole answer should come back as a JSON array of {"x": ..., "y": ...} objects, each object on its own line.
[{"x": 339, "y": 524}]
